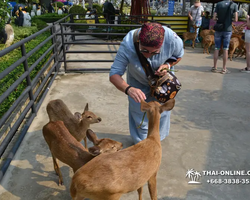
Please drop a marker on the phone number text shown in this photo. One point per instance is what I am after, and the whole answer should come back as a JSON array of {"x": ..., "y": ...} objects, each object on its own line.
[{"x": 229, "y": 181}]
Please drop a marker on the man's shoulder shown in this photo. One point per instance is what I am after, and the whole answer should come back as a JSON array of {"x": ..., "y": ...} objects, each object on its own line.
[{"x": 192, "y": 7}]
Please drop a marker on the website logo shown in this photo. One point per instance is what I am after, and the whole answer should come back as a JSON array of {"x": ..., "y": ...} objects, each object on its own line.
[{"x": 193, "y": 176}]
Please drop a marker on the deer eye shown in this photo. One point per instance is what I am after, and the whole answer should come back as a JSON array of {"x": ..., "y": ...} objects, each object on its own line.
[{"x": 89, "y": 117}]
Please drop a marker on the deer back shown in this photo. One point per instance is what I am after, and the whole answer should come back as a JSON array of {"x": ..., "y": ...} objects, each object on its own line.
[
  {"x": 64, "y": 146},
  {"x": 68, "y": 150}
]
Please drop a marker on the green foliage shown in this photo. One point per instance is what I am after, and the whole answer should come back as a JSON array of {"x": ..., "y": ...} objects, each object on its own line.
[
  {"x": 76, "y": 9},
  {"x": 40, "y": 24},
  {"x": 48, "y": 18},
  {"x": 3, "y": 13},
  {"x": 28, "y": 9},
  {"x": 98, "y": 8},
  {"x": 11, "y": 58},
  {"x": 23, "y": 32},
  {"x": 59, "y": 4}
]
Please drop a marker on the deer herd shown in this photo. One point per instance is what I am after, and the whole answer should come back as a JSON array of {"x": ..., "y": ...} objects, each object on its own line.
[
  {"x": 237, "y": 44},
  {"x": 104, "y": 171}
]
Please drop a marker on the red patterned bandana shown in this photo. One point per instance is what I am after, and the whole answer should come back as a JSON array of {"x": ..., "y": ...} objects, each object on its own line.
[{"x": 152, "y": 35}]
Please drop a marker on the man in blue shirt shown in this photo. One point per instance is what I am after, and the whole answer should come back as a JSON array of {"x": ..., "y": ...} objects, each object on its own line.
[{"x": 157, "y": 44}]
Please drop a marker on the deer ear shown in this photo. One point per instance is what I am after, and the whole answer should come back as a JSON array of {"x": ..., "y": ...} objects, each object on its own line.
[
  {"x": 144, "y": 106},
  {"x": 86, "y": 107},
  {"x": 169, "y": 105},
  {"x": 92, "y": 136},
  {"x": 78, "y": 116},
  {"x": 94, "y": 150}
]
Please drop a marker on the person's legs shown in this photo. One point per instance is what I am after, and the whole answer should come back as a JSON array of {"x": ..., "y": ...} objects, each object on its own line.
[
  {"x": 226, "y": 40},
  {"x": 217, "y": 41},
  {"x": 247, "y": 44},
  {"x": 135, "y": 118},
  {"x": 197, "y": 23},
  {"x": 248, "y": 55},
  {"x": 191, "y": 31}
]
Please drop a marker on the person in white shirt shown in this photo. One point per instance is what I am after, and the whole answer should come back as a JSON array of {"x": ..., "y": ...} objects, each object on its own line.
[{"x": 195, "y": 15}]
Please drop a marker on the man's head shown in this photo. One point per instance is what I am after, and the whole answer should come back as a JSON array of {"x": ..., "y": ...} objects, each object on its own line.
[
  {"x": 151, "y": 38},
  {"x": 197, "y": 3}
]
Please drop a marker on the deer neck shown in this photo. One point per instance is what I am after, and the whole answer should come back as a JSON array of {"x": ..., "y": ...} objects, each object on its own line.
[
  {"x": 154, "y": 125},
  {"x": 84, "y": 125},
  {"x": 83, "y": 157}
]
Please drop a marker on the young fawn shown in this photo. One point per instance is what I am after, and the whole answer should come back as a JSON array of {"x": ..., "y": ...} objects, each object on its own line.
[
  {"x": 208, "y": 41},
  {"x": 77, "y": 124},
  {"x": 64, "y": 147},
  {"x": 190, "y": 36},
  {"x": 108, "y": 176}
]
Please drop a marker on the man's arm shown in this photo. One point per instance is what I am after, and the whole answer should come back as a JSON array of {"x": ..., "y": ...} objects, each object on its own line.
[
  {"x": 189, "y": 15},
  {"x": 236, "y": 16},
  {"x": 215, "y": 16}
]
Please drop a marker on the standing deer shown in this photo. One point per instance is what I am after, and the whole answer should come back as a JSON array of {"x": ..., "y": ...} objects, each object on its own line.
[
  {"x": 208, "y": 41},
  {"x": 108, "y": 176},
  {"x": 190, "y": 36},
  {"x": 77, "y": 124},
  {"x": 204, "y": 33},
  {"x": 64, "y": 147}
]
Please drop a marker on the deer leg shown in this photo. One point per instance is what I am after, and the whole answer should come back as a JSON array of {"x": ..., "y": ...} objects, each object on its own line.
[
  {"x": 204, "y": 48},
  {"x": 85, "y": 143},
  {"x": 140, "y": 193},
  {"x": 231, "y": 56},
  {"x": 209, "y": 46},
  {"x": 57, "y": 170},
  {"x": 193, "y": 43},
  {"x": 152, "y": 187}
]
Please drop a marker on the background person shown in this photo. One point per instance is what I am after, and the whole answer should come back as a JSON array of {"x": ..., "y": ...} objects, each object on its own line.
[
  {"x": 205, "y": 21},
  {"x": 109, "y": 12},
  {"x": 247, "y": 43},
  {"x": 195, "y": 15},
  {"x": 157, "y": 44},
  {"x": 222, "y": 15}
]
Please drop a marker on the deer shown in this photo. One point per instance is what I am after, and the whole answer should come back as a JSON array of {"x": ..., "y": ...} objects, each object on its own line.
[
  {"x": 208, "y": 41},
  {"x": 77, "y": 124},
  {"x": 190, "y": 36},
  {"x": 108, "y": 176},
  {"x": 204, "y": 33},
  {"x": 64, "y": 147}
]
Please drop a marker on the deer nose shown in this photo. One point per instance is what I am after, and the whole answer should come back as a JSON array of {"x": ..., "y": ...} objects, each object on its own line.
[{"x": 99, "y": 119}]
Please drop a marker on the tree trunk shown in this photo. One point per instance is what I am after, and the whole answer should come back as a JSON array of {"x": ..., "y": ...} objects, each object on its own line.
[
  {"x": 183, "y": 7},
  {"x": 121, "y": 8}
]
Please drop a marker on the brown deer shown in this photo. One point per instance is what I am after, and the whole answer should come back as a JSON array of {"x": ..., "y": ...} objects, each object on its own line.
[
  {"x": 108, "y": 176},
  {"x": 208, "y": 41},
  {"x": 204, "y": 33},
  {"x": 190, "y": 36},
  {"x": 64, "y": 147},
  {"x": 77, "y": 124}
]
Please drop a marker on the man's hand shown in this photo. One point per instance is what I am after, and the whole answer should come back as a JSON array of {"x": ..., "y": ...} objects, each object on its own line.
[
  {"x": 162, "y": 70},
  {"x": 136, "y": 94}
]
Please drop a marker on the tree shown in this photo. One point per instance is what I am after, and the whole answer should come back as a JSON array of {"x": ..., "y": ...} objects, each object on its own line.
[{"x": 140, "y": 7}]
